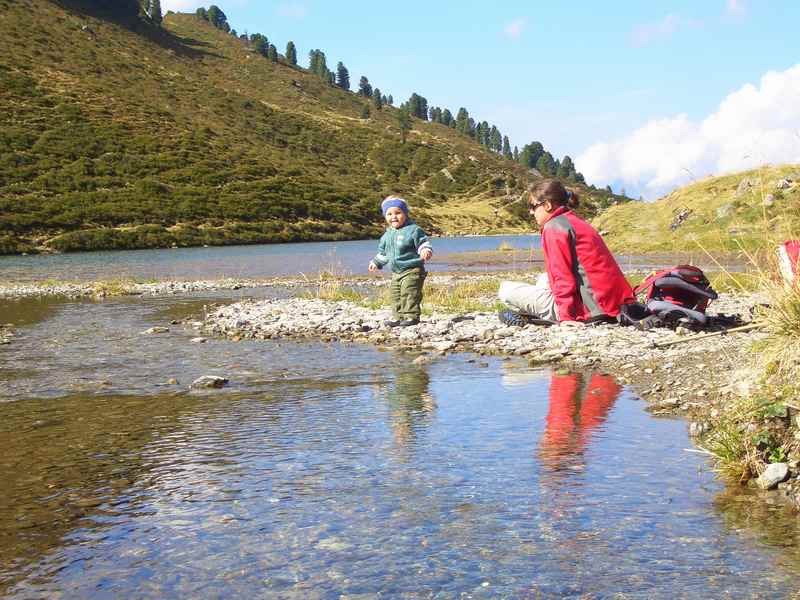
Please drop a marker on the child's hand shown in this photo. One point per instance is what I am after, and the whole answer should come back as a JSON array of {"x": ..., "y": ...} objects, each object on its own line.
[
  {"x": 372, "y": 268},
  {"x": 426, "y": 254}
]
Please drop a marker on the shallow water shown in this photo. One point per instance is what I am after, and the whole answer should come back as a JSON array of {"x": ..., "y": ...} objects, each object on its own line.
[
  {"x": 265, "y": 260},
  {"x": 325, "y": 470}
]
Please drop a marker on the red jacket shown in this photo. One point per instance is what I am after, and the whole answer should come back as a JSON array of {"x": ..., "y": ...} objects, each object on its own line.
[{"x": 584, "y": 277}]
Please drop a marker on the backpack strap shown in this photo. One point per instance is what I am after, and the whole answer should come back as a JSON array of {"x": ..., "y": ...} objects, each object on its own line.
[
  {"x": 661, "y": 308},
  {"x": 677, "y": 282}
]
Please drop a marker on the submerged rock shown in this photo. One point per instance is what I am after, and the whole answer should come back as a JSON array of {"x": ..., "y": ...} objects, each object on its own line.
[
  {"x": 209, "y": 381},
  {"x": 153, "y": 330}
]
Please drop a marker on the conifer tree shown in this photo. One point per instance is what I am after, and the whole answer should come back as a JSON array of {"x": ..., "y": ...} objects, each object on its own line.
[
  {"x": 260, "y": 44},
  {"x": 385, "y": 100},
  {"x": 404, "y": 122},
  {"x": 418, "y": 106},
  {"x": 291, "y": 53},
  {"x": 516, "y": 154},
  {"x": 530, "y": 154},
  {"x": 609, "y": 190},
  {"x": 546, "y": 164},
  {"x": 482, "y": 133},
  {"x": 217, "y": 18},
  {"x": 507, "y": 148},
  {"x": 155, "y": 11},
  {"x": 342, "y": 76},
  {"x": 566, "y": 169},
  {"x": 317, "y": 64},
  {"x": 471, "y": 127},
  {"x": 390, "y": 100},
  {"x": 202, "y": 13},
  {"x": 462, "y": 121},
  {"x": 365, "y": 112},
  {"x": 447, "y": 117},
  {"x": 377, "y": 100},
  {"x": 479, "y": 136},
  {"x": 272, "y": 53},
  {"x": 495, "y": 140},
  {"x": 413, "y": 105},
  {"x": 364, "y": 88}
]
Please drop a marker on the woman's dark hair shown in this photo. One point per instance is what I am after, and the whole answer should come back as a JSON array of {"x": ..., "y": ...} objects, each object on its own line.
[{"x": 552, "y": 191}]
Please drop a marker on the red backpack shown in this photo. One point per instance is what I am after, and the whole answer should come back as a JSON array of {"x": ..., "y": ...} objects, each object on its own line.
[
  {"x": 685, "y": 286},
  {"x": 679, "y": 294}
]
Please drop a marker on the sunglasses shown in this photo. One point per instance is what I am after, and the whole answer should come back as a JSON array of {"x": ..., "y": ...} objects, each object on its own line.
[{"x": 533, "y": 206}]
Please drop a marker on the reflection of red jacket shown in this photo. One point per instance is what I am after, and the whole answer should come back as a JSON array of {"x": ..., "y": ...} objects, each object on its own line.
[
  {"x": 574, "y": 413},
  {"x": 585, "y": 279}
]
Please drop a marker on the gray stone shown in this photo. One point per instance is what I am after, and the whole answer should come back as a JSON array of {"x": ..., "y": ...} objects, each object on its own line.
[
  {"x": 726, "y": 210},
  {"x": 745, "y": 186},
  {"x": 209, "y": 381},
  {"x": 773, "y": 475},
  {"x": 155, "y": 330},
  {"x": 198, "y": 340}
]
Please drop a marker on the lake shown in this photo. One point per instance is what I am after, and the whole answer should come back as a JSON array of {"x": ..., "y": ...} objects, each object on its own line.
[
  {"x": 265, "y": 260},
  {"x": 332, "y": 470}
]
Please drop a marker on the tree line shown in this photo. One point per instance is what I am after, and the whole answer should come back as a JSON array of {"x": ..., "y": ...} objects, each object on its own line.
[{"x": 532, "y": 155}]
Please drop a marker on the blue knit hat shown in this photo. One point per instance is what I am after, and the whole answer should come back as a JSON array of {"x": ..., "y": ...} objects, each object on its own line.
[{"x": 394, "y": 202}]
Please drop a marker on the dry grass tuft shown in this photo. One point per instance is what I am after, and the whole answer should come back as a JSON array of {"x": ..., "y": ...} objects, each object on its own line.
[
  {"x": 331, "y": 285},
  {"x": 779, "y": 354}
]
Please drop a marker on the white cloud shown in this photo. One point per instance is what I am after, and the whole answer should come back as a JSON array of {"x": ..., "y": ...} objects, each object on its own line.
[
  {"x": 515, "y": 28},
  {"x": 752, "y": 126},
  {"x": 647, "y": 33},
  {"x": 292, "y": 10}
]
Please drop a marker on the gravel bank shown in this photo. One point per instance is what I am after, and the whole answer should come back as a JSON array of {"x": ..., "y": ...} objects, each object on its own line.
[{"x": 628, "y": 353}]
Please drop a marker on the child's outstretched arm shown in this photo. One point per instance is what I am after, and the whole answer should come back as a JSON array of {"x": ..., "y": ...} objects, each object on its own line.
[
  {"x": 380, "y": 259},
  {"x": 424, "y": 247}
]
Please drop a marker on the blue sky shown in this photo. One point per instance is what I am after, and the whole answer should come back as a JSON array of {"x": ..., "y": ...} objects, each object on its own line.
[{"x": 587, "y": 79}]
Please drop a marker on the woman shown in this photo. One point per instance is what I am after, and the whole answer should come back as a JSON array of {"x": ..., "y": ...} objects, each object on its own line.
[{"x": 583, "y": 283}]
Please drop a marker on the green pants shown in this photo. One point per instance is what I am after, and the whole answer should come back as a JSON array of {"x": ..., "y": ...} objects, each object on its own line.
[{"x": 406, "y": 293}]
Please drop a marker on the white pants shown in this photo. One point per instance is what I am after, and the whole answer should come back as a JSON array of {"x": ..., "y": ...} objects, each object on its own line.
[{"x": 534, "y": 300}]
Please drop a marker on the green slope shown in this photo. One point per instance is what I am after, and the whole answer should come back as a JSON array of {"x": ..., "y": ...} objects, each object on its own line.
[
  {"x": 115, "y": 134},
  {"x": 742, "y": 211}
]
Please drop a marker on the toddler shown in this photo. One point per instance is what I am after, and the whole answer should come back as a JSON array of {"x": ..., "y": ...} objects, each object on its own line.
[{"x": 405, "y": 248}]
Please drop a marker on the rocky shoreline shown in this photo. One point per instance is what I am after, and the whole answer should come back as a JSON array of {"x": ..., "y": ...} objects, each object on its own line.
[{"x": 102, "y": 289}]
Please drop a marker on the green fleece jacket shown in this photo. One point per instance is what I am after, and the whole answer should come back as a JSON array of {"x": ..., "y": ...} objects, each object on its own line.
[{"x": 400, "y": 248}]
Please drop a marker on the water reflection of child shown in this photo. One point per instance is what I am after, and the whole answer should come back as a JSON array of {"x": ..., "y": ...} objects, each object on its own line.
[
  {"x": 410, "y": 403},
  {"x": 575, "y": 411}
]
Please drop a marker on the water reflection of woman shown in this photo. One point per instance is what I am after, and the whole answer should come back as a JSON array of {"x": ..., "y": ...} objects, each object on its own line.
[
  {"x": 576, "y": 409},
  {"x": 411, "y": 404}
]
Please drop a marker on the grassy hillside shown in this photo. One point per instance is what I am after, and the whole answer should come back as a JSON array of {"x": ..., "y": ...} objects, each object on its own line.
[
  {"x": 116, "y": 134},
  {"x": 747, "y": 210}
]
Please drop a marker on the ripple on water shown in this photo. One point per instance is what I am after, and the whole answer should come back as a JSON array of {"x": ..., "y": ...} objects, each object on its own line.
[{"x": 339, "y": 470}]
